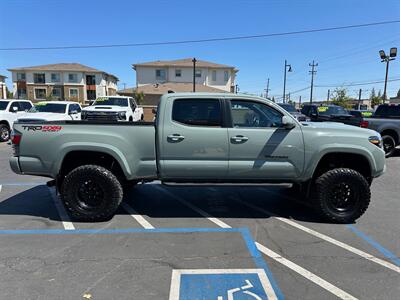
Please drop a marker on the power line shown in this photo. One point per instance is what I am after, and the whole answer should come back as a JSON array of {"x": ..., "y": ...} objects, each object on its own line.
[
  {"x": 203, "y": 40},
  {"x": 354, "y": 84}
]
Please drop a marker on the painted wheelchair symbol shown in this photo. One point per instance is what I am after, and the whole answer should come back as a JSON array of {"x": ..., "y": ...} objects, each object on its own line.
[{"x": 244, "y": 288}]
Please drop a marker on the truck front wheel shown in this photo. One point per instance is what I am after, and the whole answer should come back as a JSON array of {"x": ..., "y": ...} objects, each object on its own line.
[
  {"x": 4, "y": 133},
  {"x": 91, "y": 193},
  {"x": 341, "y": 195}
]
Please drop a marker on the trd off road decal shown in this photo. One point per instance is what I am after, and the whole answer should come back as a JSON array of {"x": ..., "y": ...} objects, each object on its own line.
[{"x": 44, "y": 128}]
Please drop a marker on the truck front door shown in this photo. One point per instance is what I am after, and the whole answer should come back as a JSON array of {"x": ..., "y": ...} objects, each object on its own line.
[
  {"x": 194, "y": 142},
  {"x": 260, "y": 148}
]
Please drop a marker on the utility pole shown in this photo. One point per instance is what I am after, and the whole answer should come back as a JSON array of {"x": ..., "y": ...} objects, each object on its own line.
[
  {"x": 194, "y": 74},
  {"x": 267, "y": 89},
  {"x": 299, "y": 101},
  {"x": 329, "y": 96},
  {"x": 359, "y": 98},
  {"x": 288, "y": 97},
  {"x": 312, "y": 72},
  {"x": 387, "y": 59},
  {"x": 284, "y": 79}
]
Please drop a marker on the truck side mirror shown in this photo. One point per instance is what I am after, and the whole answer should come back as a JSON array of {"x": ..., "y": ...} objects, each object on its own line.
[
  {"x": 73, "y": 112},
  {"x": 14, "y": 109},
  {"x": 288, "y": 122}
]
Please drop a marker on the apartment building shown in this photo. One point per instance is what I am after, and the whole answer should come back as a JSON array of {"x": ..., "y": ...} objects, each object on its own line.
[
  {"x": 64, "y": 81},
  {"x": 3, "y": 89},
  {"x": 158, "y": 77}
]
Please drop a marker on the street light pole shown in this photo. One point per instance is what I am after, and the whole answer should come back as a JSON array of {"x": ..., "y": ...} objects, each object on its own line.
[
  {"x": 284, "y": 79},
  {"x": 387, "y": 58},
  {"x": 194, "y": 74}
]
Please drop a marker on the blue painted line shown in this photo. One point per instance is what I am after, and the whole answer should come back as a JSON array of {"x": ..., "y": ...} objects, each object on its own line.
[
  {"x": 259, "y": 260},
  {"x": 376, "y": 245}
]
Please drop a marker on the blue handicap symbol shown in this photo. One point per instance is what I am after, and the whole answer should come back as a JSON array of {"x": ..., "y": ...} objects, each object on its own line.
[{"x": 221, "y": 287}]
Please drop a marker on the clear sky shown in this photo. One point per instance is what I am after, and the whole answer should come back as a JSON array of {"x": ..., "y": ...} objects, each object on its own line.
[{"x": 344, "y": 57}]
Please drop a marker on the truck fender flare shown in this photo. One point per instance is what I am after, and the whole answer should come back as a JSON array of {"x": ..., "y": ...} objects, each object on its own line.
[{"x": 93, "y": 147}]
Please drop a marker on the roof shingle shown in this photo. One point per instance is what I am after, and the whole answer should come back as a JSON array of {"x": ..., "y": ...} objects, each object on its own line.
[{"x": 186, "y": 62}]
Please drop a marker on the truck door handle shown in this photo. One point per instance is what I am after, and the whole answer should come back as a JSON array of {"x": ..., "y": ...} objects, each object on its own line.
[
  {"x": 239, "y": 139},
  {"x": 174, "y": 138}
]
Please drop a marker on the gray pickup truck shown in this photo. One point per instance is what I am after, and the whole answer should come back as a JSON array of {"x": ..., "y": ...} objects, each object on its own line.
[
  {"x": 386, "y": 121},
  {"x": 203, "y": 138}
]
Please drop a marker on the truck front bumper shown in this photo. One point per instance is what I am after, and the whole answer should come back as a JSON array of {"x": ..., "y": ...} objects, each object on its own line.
[{"x": 14, "y": 164}]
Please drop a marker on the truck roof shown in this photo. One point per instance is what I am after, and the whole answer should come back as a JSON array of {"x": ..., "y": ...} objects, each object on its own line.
[{"x": 200, "y": 95}]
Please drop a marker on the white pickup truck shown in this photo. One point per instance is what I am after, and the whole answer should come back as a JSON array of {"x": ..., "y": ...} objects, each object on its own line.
[
  {"x": 113, "y": 108},
  {"x": 10, "y": 111},
  {"x": 53, "y": 111}
]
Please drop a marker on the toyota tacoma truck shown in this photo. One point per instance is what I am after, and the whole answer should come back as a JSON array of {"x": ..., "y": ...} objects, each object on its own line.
[{"x": 203, "y": 138}]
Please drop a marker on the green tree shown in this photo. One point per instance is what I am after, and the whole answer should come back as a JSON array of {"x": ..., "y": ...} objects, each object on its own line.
[
  {"x": 9, "y": 93},
  {"x": 139, "y": 97},
  {"x": 375, "y": 99},
  {"x": 339, "y": 97}
]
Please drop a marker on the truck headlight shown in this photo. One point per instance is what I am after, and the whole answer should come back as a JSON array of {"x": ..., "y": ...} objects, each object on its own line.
[
  {"x": 376, "y": 140},
  {"x": 122, "y": 115}
]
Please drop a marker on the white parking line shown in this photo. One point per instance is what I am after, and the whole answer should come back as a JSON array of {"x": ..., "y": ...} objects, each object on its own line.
[
  {"x": 294, "y": 267},
  {"x": 142, "y": 221},
  {"x": 65, "y": 220},
  {"x": 324, "y": 237}
]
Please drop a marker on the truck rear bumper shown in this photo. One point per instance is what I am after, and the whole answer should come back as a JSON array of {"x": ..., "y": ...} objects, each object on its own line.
[{"x": 14, "y": 164}]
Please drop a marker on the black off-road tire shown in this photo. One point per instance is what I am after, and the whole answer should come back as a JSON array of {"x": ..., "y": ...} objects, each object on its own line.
[
  {"x": 389, "y": 143},
  {"x": 91, "y": 181},
  {"x": 4, "y": 133},
  {"x": 348, "y": 184}
]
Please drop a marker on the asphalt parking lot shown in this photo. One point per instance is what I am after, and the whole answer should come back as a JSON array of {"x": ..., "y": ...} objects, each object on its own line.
[{"x": 202, "y": 242}]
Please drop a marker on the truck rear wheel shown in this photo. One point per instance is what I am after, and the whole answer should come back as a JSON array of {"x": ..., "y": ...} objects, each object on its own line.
[
  {"x": 91, "y": 193},
  {"x": 4, "y": 133},
  {"x": 341, "y": 195}
]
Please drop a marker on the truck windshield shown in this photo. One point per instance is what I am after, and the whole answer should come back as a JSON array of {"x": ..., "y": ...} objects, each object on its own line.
[
  {"x": 49, "y": 108},
  {"x": 288, "y": 107},
  {"x": 331, "y": 110},
  {"x": 3, "y": 105},
  {"x": 111, "y": 101}
]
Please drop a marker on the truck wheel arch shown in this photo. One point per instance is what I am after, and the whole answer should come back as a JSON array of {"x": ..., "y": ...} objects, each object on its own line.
[
  {"x": 393, "y": 133},
  {"x": 76, "y": 158},
  {"x": 5, "y": 122}
]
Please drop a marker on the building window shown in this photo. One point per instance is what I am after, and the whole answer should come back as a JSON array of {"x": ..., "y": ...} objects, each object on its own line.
[
  {"x": 198, "y": 73},
  {"x": 178, "y": 73},
  {"x": 21, "y": 76},
  {"x": 56, "y": 93},
  {"x": 160, "y": 74},
  {"x": 21, "y": 93},
  {"x": 73, "y": 78},
  {"x": 226, "y": 76},
  {"x": 40, "y": 94},
  {"x": 90, "y": 79},
  {"x": 55, "y": 77},
  {"x": 214, "y": 75},
  {"x": 39, "y": 78},
  {"x": 73, "y": 93}
]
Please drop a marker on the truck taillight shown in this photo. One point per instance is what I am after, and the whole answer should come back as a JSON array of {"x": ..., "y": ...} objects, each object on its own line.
[
  {"x": 364, "y": 124},
  {"x": 16, "y": 137}
]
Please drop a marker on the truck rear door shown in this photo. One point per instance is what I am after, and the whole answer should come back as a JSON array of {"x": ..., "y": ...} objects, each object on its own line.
[
  {"x": 193, "y": 141},
  {"x": 260, "y": 148}
]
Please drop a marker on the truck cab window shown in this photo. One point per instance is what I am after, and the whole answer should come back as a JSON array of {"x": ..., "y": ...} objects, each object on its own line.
[
  {"x": 199, "y": 112},
  {"x": 254, "y": 114}
]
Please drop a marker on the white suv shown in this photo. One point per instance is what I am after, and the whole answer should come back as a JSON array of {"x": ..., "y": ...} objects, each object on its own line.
[
  {"x": 113, "y": 108},
  {"x": 10, "y": 111}
]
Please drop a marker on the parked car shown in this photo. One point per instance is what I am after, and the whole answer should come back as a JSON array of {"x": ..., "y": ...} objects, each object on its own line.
[
  {"x": 53, "y": 111},
  {"x": 331, "y": 113},
  {"x": 203, "y": 137},
  {"x": 113, "y": 108},
  {"x": 386, "y": 121},
  {"x": 10, "y": 111},
  {"x": 293, "y": 111}
]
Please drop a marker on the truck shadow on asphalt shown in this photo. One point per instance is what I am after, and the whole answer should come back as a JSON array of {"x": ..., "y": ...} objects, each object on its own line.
[{"x": 160, "y": 201}]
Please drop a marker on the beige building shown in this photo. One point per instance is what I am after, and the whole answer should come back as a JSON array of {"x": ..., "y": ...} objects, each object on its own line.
[
  {"x": 64, "y": 81},
  {"x": 3, "y": 88},
  {"x": 159, "y": 77}
]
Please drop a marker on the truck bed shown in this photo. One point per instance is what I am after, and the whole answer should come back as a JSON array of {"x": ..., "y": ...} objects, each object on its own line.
[{"x": 133, "y": 145}]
